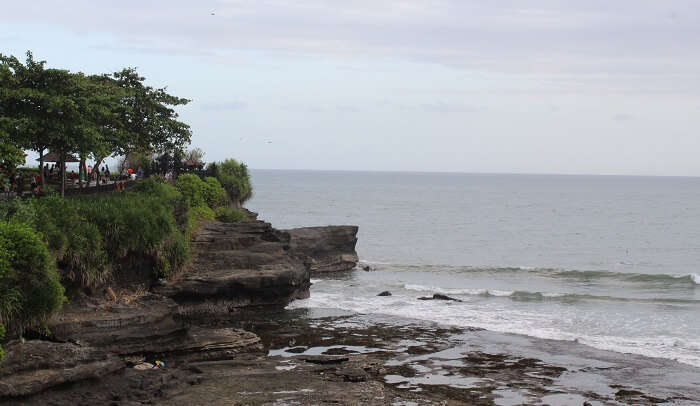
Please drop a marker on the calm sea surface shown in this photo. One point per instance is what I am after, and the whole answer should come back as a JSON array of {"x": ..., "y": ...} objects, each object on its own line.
[{"x": 613, "y": 262}]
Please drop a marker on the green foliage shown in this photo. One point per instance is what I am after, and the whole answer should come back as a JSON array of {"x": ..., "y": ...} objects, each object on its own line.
[
  {"x": 173, "y": 256},
  {"x": 10, "y": 156},
  {"x": 191, "y": 187},
  {"x": 98, "y": 116},
  {"x": 195, "y": 156},
  {"x": 30, "y": 291},
  {"x": 194, "y": 216},
  {"x": 202, "y": 212},
  {"x": 230, "y": 215},
  {"x": 91, "y": 235},
  {"x": 198, "y": 192},
  {"x": 80, "y": 252},
  {"x": 213, "y": 193},
  {"x": 157, "y": 187},
  {"x": 149, "y": 122},
  {"x": 235, "y": 179}
]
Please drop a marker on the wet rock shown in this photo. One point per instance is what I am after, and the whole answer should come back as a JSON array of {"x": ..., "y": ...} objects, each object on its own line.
[
  {"x": 385, "y": 293},
  {"x": 351, "y": 374},
  {"x": 367, "y": 268},
  {"x": 323, "y": 359},
  {"x": 325, "y": 249},
  {"x": 439, "y": 296}
]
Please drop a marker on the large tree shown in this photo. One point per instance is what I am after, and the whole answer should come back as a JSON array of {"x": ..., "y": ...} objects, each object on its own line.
[
  {"x": 150, "y": 123},
  {"x": 24, "y": 111},
  {"x": 93, "y": 116}
]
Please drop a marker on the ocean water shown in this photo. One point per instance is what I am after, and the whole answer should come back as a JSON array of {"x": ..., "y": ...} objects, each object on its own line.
[{"x": 611, "y": 262}]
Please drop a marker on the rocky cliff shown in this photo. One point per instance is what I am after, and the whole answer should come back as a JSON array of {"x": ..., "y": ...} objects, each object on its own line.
[
  {"x": 235, "y": 265},
  {"x": 325, "y": 249}
]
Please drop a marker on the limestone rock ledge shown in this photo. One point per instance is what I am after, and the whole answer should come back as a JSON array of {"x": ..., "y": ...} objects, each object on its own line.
[
  {"x": 35, "y": 365},
  {"x": 142, "y": 325},
  {"x": 238, "y": 265},
  {"x": 325, "y": 249}
]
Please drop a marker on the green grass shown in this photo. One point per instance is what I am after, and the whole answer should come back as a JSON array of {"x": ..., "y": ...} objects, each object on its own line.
[{"x": 229, "y": 215}]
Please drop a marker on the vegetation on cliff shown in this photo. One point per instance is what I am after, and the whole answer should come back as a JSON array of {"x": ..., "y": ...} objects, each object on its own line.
[
  {"x": 30, "y": 291},
  {"x": 52, "y": 248},
  {"x": 235, "y": 179},
  {"x": 90, "y": 241}
]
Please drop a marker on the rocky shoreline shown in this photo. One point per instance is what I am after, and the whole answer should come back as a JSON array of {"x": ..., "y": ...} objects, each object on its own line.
[
  {"x": 225, "y": 337},
  {"x": 236, "y": 266}
]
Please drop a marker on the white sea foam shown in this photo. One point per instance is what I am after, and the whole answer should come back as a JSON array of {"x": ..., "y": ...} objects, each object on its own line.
[
  {"x": 696, "y": 278},
  {"x": 500, "y": 293},
  {"x": 507, "y": 320},
  {"x": 444, "y": 291}
]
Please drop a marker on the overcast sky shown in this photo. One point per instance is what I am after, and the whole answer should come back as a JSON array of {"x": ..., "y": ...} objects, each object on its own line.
[{"x": 600, "y": 87}]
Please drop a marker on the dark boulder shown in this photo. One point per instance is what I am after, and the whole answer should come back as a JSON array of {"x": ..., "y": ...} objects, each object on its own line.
[
  {"x": 323, "y": 359},
  {"x": 439, "y": 296},
  {"x": 385, "y": 293}
]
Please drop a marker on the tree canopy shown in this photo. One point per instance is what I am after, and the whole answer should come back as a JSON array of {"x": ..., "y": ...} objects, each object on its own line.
[{"x": 92, "y": 115}]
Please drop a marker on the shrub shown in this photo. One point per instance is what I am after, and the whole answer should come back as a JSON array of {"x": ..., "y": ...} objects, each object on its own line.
[
  {"x": 18, "y": 210},
  {"x": 29, "y": 288},
  {"x": 155, "y": 186},
  {"x": 230, "y": 215},
  {"x": 235, "y": 179},
  {"x": 192, "y": 189},
  {"x": 173, "y": 256},
  {"x": 76, "y": 242},
  {"x": 89, "y": 235},
  {"x": 213, "y": 193}
]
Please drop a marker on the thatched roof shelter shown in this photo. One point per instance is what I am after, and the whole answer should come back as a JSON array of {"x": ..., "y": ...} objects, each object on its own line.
[{"x": 56, "y": 157}]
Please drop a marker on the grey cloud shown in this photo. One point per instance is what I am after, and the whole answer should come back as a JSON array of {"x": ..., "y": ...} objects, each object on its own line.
[{"x": 540, "y": 36}]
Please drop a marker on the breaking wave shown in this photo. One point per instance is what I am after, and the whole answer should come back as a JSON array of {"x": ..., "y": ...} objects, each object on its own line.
[
  {"x": 691, "y": 279},
  {"x": 541, "y": 296}
]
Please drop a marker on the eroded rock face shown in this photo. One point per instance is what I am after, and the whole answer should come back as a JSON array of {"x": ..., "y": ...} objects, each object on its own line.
[
  {"x": 238, "y": 265},
  {"x": 325, "y": 249},
  {"x": 210, "y": 344},
  {"x": 35, "y": 365},
  {"x": 145, "y": 324}
]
